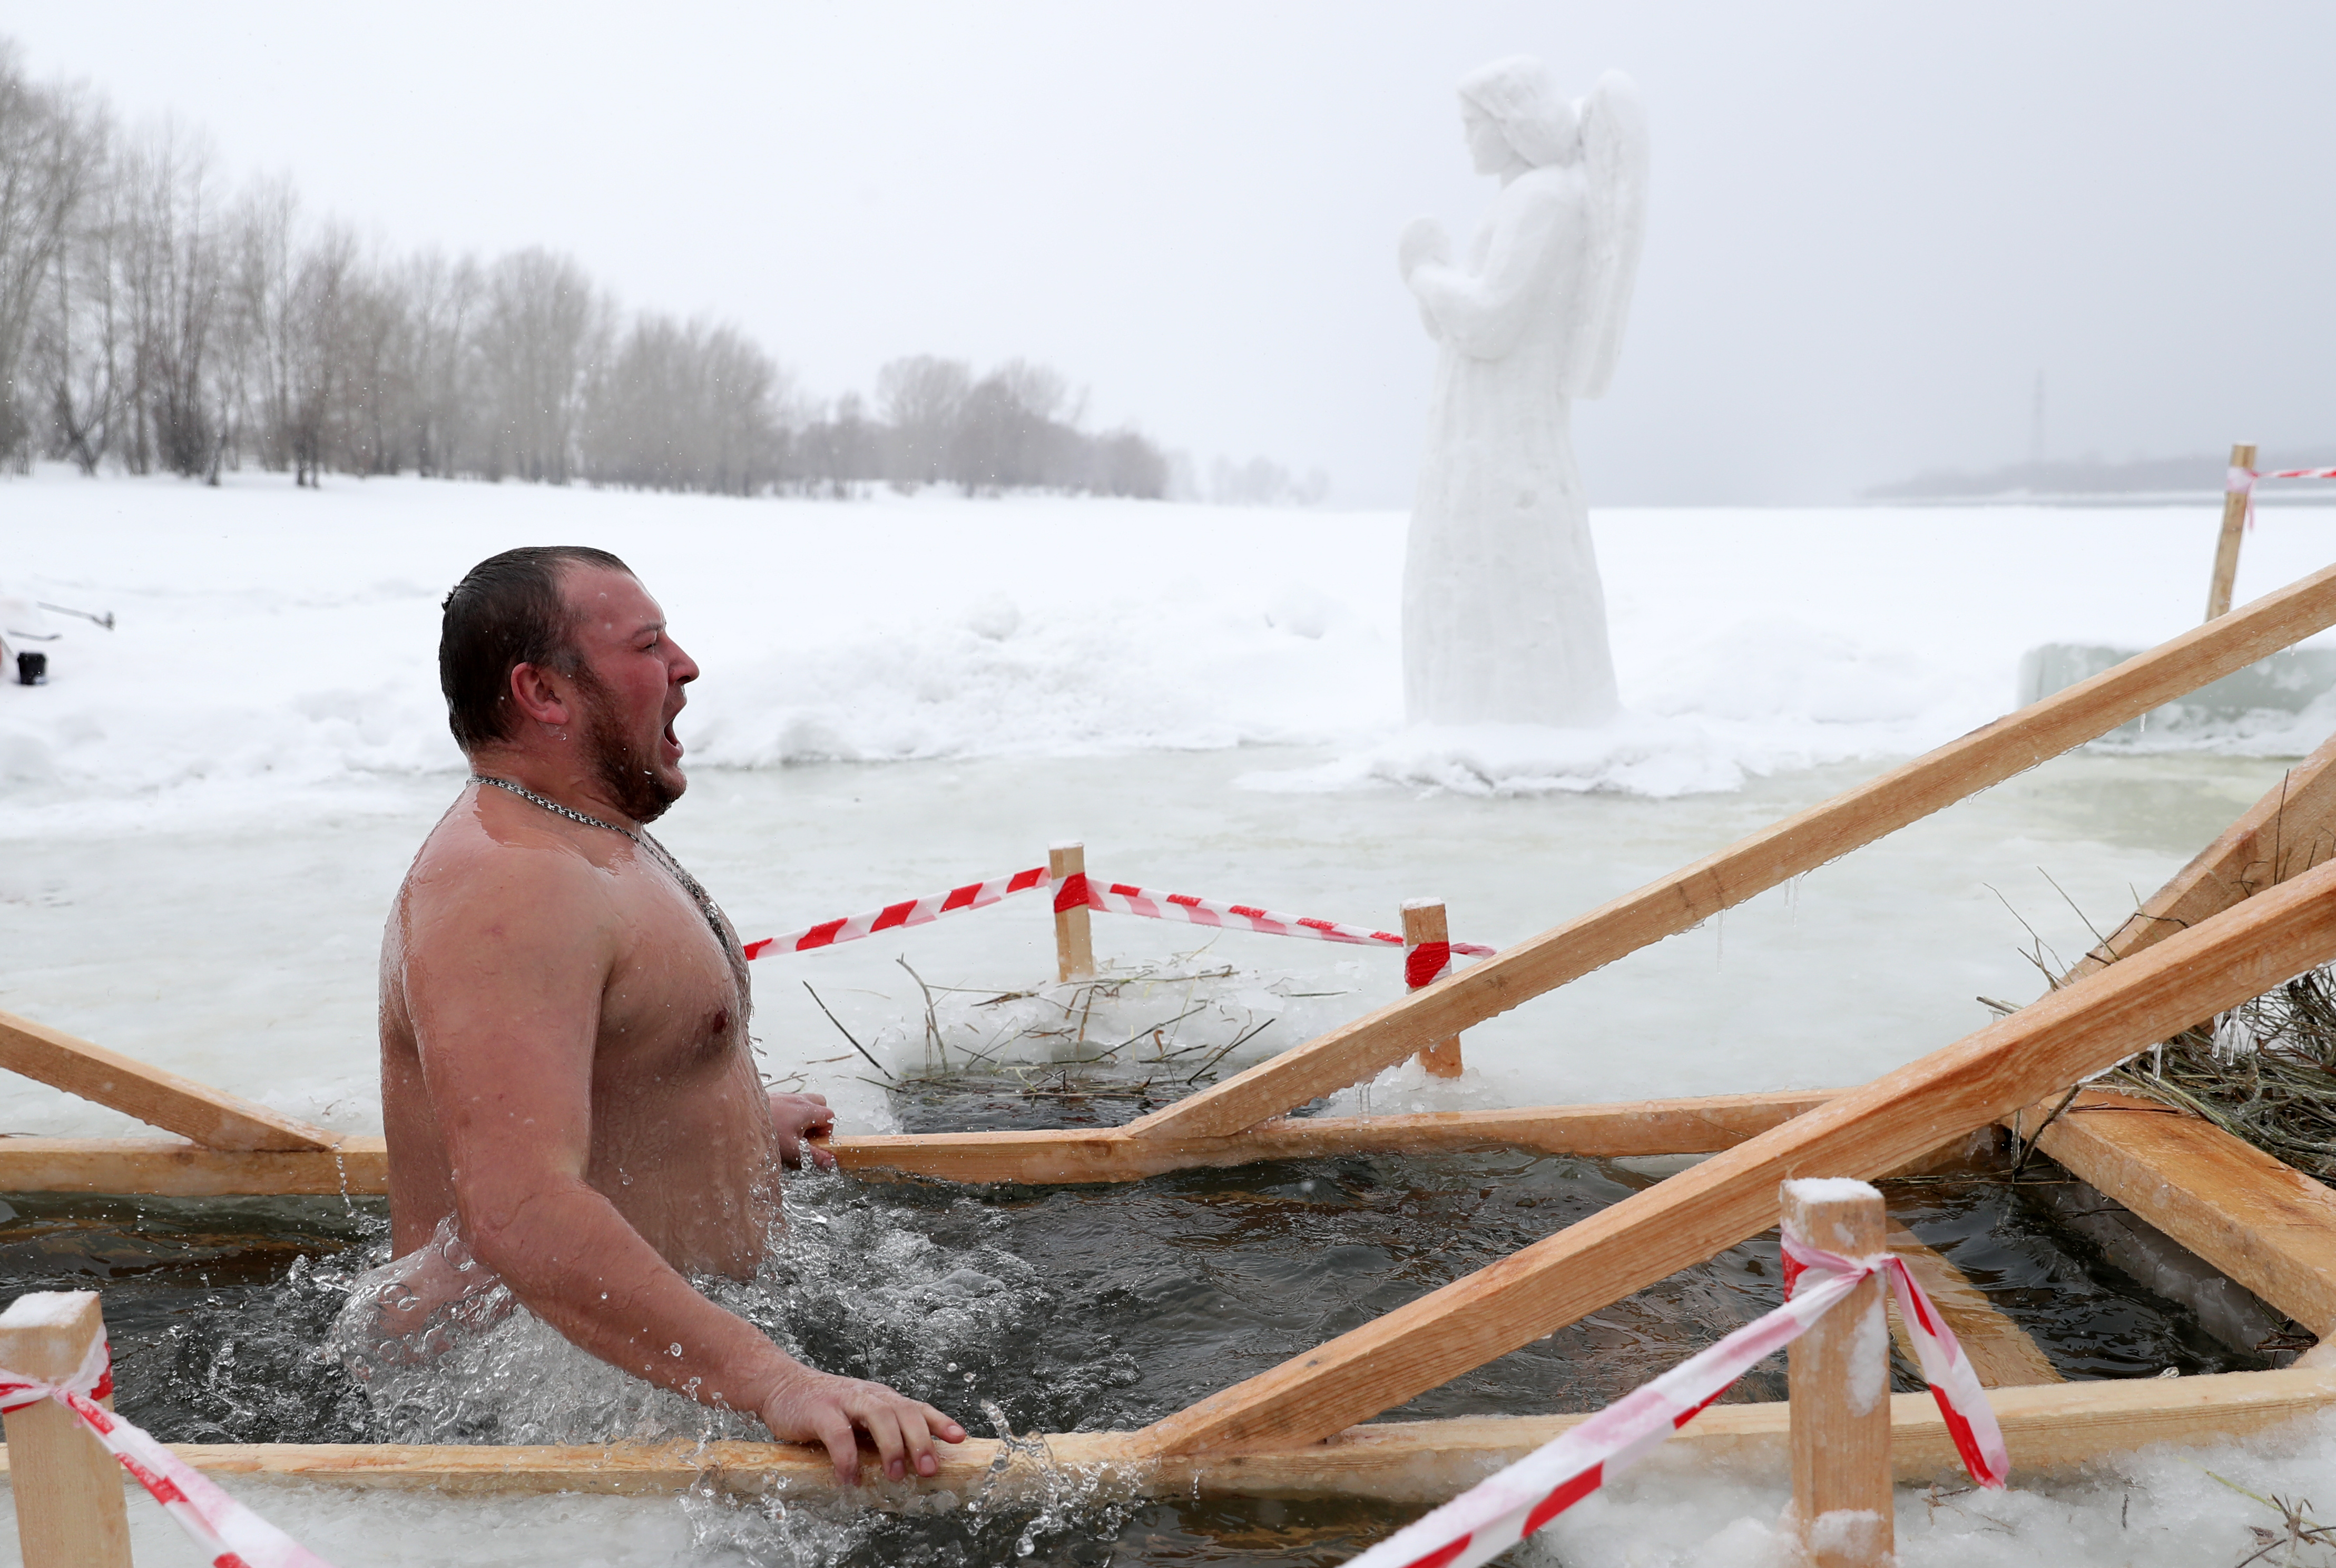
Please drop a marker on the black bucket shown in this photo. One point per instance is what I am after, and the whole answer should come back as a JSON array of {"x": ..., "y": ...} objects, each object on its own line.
[{"x": 31, "y": 669}]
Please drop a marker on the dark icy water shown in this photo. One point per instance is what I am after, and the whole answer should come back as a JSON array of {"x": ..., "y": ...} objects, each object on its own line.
[{"x": 1075, "y": 1308}]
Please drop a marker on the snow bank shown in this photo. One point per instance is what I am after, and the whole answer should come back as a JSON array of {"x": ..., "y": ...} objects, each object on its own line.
[
  {"x": 271, "y": 638},
  {"x": 2159, "y": 1508}
]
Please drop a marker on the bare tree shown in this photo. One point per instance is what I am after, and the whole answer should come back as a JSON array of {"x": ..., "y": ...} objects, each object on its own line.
[
  {"x": 442, "y": 304},
  {"x": 841, "y": 452},
  {"x": 172, "y": 267},
  {"x": 375, "y": 366},
  {"x": 50, "y": 154},
  {"x": 920, "y": 398},
  {"x": 1128, "y": 464},
  {"x": 263, "y": 265},
  {"x": 317, "y": 311},
  {"x": 74, "y": 360},
  {"x": 543, "y": 329},
  {"x": 752, "y": 398},
  {"x": 1011, "y": 436},
  {"x": 676, "y": 407}
]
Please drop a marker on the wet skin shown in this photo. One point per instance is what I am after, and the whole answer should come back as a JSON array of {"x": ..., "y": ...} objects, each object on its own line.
[{"x": 565, "y": 1064}]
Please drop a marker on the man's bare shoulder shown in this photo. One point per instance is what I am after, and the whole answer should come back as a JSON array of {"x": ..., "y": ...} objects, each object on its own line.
[{"x": 504, "y": 862}]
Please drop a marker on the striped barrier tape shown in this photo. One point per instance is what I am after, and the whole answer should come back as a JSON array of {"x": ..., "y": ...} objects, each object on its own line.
[
  {"x": 1484, "y": 1522},
  {"x": 2242, "y": 481},
  {"x": 891, "y": 917},
  {"x": 1119, "y": 899},
  {"x": 1423, "y": 964},
  {"x": 2244, "y": 478},
  {"x": 230, "y": 1534}
]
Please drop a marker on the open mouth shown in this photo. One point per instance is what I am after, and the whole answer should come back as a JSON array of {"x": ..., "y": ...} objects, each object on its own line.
[{"x": 671, "y": 739}]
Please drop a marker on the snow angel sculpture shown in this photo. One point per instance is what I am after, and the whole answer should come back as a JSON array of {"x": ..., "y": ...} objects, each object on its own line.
[{"x": 1504, "y": 619}]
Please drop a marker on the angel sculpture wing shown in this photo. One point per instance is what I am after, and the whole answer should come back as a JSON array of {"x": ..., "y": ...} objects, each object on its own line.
[{"x": 1614, "y": 160}]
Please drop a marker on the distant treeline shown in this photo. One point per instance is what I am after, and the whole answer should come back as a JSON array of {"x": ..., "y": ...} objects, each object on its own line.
[
  {"x": 2202, "y": 474},
  {"x": 153, "y": 321}
]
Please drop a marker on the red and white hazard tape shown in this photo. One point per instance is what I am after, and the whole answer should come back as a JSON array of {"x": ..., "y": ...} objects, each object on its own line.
[
  {"x": 1482, "y": 1523},
  {"x": 1119, "y": 899},
  {"x": 2244, "y": 478},
  {"x": 230, "y": 1534},
  {"x": 2242, "y": 481},
  {"x": 913, "y": 912},
  {"x": 1424, "y": 963}
]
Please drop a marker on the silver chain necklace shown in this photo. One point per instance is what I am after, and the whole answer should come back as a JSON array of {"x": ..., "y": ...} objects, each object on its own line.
[{"x": 658, "y": 852}]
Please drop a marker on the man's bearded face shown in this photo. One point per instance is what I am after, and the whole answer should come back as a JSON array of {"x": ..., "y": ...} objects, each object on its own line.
[{"x": 625, "y": 763}]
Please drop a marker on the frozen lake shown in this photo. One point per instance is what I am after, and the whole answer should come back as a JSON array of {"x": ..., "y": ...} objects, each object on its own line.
[
  {"x": 204, "y": 815},
  {"x": 241, "y": 949}
]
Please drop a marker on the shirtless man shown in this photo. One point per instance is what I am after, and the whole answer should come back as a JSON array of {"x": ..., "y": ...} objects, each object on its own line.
[{"x": 565, "y": 1067}]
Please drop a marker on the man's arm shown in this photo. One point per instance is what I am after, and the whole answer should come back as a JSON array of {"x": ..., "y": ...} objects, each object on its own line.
[{"x": 505, "y": 1000}]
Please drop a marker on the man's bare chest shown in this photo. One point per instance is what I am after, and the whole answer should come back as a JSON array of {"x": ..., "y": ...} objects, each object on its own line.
[{"x": 676, "y": 996}]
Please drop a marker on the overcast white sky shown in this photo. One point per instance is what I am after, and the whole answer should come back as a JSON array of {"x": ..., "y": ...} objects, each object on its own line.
[{"x": 1872, "y": 225}]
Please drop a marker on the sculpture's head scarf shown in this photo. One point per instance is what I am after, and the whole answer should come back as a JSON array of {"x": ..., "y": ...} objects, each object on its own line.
[{"x": 1518, "y": 93}]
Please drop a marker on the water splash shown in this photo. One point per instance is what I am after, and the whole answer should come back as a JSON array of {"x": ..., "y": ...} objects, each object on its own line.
[{"x": 444, "y": 1354}]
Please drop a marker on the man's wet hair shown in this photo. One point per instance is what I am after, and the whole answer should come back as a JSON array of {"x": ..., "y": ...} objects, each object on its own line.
[{"x": 507, "y": 611}]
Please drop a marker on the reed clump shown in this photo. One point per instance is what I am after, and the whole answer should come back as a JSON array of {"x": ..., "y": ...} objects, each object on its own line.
[{"x": 2264, "y": 1072}]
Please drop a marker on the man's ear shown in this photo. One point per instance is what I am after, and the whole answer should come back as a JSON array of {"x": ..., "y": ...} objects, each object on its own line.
[{"x": 538, "y": 696}]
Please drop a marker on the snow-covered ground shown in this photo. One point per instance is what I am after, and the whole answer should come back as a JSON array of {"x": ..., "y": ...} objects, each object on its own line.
[
  {"x": 203, "y": 815},
  {"x": 272, "y": 637}
]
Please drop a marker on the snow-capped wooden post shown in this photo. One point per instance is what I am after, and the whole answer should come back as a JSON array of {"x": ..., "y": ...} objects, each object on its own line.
[
  {"x": 1840, "y": 1381},
  {"x": 1074, "y": 943},
  {"x": 1424, "y": 921},
  {"x": 2226, "y": 548},
  {"x": 68, "y": 1488}
]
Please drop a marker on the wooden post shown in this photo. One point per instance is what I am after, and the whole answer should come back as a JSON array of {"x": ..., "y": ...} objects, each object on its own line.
[
  {"x": 1840, "y": 1381},
  {"x": 2226, "y": 548},
  {"x": 1423, "y": 922},
  {"x": 1074, "y": 943},
  {"x": 68, "y": 1488}
]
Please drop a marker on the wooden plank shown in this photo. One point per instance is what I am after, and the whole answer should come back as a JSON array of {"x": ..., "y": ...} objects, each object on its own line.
[
  {"x": 2003, "y": 1354},
  {"x": 1988, "y": 756},
  {"x": 360, "y": 1164},
  {"x": 66, "y": 1487},
  {"x": 2291, "y": 829},
  {"x": 1690, "y": 1216},
  {"x": 2263, "y": 1223},
  {"x": 210, "y": 1117},
  {"x": 1685, "y": 1126},
  {"x": 2226, "y": 543},
  {"x": 1839, "y": 1375},
  {"x": 358, "y": 1167},
  {"x": 2056, "y": 1429}
]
